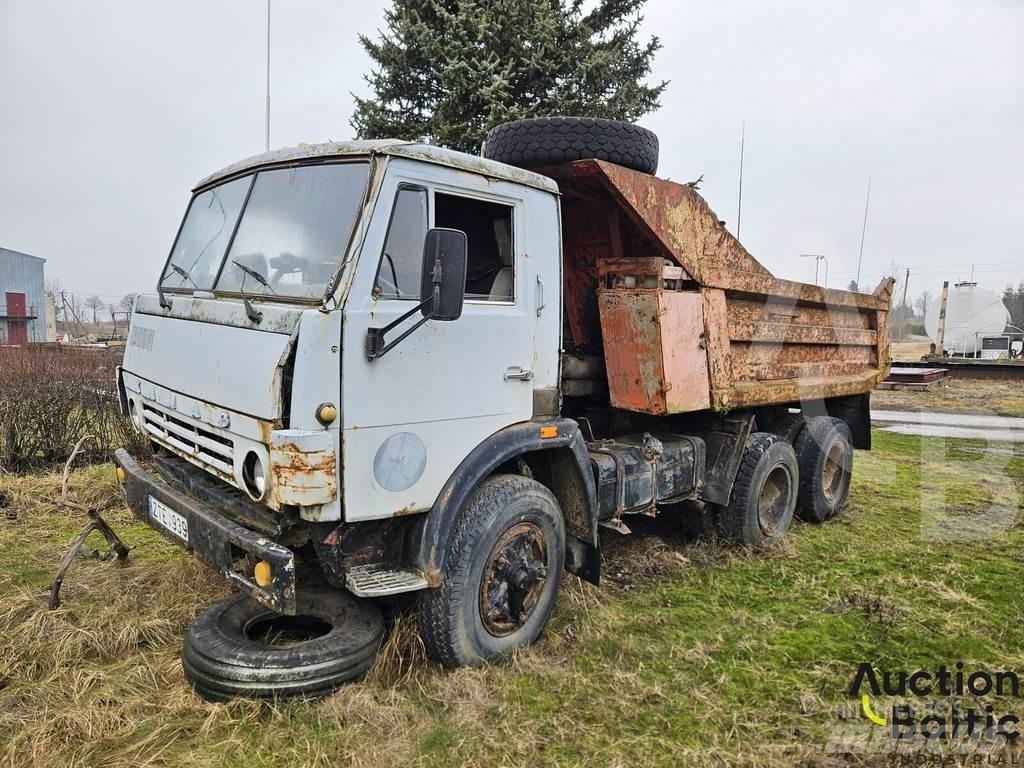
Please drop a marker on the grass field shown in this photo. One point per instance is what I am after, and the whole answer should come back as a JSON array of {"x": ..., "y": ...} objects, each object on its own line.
[{"x": 690, "y": 653}]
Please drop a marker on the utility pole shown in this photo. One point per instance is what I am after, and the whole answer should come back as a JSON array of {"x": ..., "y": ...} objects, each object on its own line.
[
  {"x": 903, "y": 325},
  {"x": 818, "y": 258},
  {"x": 74, "y": 314},
  {"x": 268, "y": 77},
  {"x": 863, "y": 229},
  {"x": 739, "y": 202}
]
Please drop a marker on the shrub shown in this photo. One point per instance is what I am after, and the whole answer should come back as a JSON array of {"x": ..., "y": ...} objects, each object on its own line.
[{"x": 52, "y": 396}]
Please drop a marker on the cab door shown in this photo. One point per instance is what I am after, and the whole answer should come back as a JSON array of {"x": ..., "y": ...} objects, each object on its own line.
[{"x": 411, "y": 416}]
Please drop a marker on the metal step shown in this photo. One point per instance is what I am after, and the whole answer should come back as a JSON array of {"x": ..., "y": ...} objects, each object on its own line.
[{"x": 380, "y": 579}]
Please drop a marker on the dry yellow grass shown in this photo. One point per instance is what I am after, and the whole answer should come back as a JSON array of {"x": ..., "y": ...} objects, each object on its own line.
[
  {"x": 909, "y": 351},
  {"x": 1003, "y": 398},
  {"x": 690, "y": 653}
]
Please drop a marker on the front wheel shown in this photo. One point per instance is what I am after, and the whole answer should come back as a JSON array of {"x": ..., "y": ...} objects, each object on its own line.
[{"x": 501, "y": 576}]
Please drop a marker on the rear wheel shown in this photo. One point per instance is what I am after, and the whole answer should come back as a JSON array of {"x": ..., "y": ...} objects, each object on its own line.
[
  {"x": 501, "y": 575},
  {"x": 760, "y": 510},
  {"x": 824, "y": 453},
  {"x": 788, "y": 426}
]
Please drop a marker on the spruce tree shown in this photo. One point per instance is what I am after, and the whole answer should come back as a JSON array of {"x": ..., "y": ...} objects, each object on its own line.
[{"x": 452, "y": 69}]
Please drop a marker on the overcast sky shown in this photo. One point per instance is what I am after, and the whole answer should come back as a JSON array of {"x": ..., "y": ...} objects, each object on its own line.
[{"x": 111, "y": 110}]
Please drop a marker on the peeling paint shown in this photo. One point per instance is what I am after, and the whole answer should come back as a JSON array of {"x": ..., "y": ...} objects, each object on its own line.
[{"x": 303, "y": 467}]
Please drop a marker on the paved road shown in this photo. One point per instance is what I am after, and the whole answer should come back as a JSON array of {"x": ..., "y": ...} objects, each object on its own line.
[{"x": 960, "y": 425}]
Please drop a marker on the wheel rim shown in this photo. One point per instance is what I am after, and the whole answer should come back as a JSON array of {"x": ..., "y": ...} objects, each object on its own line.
[
  {"x": 773, "y": 500},
  {"x": 833, "y": 473},
  {"x": 513, "y": 579}
]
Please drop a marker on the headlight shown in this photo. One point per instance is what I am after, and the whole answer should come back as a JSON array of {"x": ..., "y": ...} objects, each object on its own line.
[
  {"x": 254, "y": 475},
  {"x": 135, "y": 413}
]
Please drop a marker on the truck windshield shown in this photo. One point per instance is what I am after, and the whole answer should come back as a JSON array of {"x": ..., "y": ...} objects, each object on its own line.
[{"x": 288, "y": 234}]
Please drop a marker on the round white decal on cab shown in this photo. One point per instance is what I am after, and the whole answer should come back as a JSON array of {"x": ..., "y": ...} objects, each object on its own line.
[{"x": 399, "y": 461}]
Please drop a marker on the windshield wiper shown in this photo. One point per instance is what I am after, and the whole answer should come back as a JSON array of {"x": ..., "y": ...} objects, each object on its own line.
[
  {"x": 181, "y": 271},
  {"x": 253, "y": 274},
  {"x": 250, "y": 311},
  {"x": 164, "y": 303}
]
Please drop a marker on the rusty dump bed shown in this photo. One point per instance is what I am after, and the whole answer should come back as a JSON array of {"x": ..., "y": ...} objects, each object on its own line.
[{"x": 685, "y": 318}]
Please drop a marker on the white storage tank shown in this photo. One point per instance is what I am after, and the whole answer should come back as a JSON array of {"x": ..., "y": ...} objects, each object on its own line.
[{"x": 971, "y": 313}]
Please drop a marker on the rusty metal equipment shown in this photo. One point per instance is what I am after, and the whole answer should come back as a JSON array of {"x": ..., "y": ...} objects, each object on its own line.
[{"x": 686, "y": 319}]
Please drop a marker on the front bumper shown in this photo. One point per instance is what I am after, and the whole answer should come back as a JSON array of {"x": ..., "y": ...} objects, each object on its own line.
[{"x": 215, "y": 540}]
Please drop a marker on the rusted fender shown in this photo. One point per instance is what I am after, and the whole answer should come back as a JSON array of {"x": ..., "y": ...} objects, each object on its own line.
[{"x": 303, "y": 467}]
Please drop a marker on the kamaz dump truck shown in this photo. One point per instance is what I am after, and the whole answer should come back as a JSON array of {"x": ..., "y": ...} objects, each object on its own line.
[{"x": 382, "y": 367}]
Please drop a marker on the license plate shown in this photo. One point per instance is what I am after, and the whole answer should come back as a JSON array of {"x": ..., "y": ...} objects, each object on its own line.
[{"x": 168, "y": 519}]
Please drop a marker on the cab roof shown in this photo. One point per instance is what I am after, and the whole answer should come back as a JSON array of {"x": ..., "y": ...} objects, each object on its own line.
[{"x": 393, "y": 147}]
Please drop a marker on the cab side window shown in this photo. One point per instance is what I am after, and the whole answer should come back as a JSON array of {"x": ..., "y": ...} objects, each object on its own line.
[
  {"x": 398, "y": 275},
  {"x": 488, "y": 226}
]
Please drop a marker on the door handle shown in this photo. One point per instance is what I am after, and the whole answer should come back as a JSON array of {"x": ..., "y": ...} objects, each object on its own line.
[
  {"x": 518, "y": 373},
  {"x": 540, "y": 295}
]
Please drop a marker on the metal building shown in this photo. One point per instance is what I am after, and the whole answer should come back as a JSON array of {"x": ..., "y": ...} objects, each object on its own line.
[{"x": 22, "y": 298}]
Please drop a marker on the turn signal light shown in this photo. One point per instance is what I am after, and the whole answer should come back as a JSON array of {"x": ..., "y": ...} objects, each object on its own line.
[
  {"x": 326, "y": 413},
  {"x": 548, "y": 432},
  {"x": 121, "y": 477},
  {"x": 262, "y": 573}
]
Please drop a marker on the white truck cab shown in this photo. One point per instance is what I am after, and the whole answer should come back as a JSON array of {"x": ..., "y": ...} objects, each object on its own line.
[{"x": 218, "y": 386}]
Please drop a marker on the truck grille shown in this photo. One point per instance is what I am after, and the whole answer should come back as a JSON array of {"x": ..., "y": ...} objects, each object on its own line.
[{"x": 213, "y": 451}]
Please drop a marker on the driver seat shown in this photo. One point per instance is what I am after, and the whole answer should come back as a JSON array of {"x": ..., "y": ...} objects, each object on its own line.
[{"x": 501, "y": 288}]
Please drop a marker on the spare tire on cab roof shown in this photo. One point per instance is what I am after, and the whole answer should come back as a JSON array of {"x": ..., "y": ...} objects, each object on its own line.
[{"x": 551, "y": 140}]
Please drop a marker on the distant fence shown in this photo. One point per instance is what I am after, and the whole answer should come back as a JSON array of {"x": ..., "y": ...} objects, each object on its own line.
[{"x": 50, "y": 397}]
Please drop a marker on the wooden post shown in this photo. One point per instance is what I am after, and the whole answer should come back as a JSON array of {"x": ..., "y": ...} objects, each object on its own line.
[{"x": 940, "y": 336}]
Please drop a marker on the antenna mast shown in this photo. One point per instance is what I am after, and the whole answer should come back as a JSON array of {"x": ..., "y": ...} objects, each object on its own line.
[
  {"x": 863, "y": 229},
  {"x": 739, "y": 202},
  {"x": 268, "y": 78}
]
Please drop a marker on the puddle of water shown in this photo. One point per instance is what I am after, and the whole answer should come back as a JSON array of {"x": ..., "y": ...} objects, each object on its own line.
[
  {"x": 965, "y": 426},
  {"x": 981, "y": 421},
  {"x": 960, "y": 433}
]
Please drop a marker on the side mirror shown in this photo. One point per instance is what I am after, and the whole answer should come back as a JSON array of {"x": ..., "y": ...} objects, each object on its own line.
[
  {"x": 443, "y": 277},
  {"x": 442, "y": 288}
]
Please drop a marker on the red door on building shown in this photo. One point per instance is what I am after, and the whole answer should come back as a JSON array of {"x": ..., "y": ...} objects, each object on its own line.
[{"x": 17, "y": 329}]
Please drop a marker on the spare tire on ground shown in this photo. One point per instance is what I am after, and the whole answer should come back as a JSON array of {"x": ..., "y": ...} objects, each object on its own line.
[
  {"x": 238, "y": 647},
  {"x": 552, "y": 140}
]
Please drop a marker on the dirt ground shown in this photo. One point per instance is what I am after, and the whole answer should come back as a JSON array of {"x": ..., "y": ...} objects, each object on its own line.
[{"x": 1002, "y": 398}]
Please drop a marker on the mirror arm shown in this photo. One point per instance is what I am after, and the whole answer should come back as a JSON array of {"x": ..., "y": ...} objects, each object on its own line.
[{"x": 375, "y": 344}]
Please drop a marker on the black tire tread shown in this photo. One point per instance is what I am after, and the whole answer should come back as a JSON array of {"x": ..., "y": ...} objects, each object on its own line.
[
  {"x": 542, "y": 141},
  {"x": 439, "y": 607},
  {"x": 808, "y": 448},
  {"x": 220, "y": 663},
  {"x": 788, "y": 426},
  {"x": 732, "y": 518}
]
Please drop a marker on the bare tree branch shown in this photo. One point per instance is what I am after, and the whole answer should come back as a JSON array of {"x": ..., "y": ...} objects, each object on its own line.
[{"x": 96, "y": 523}]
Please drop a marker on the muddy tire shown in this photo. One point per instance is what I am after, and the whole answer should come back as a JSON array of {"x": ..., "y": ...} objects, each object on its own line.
[
  {"x": 239, "y": 648},
  {"x": 824, "y": 452},
  {"x": 552, "y": 140},
  {"x": 764, "y": 494},
  {"x": 788, "y": 426},
  {"x": 502, "y": 571}
]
